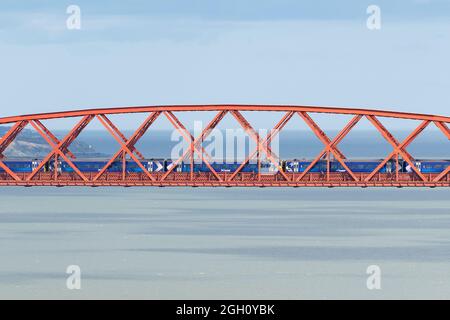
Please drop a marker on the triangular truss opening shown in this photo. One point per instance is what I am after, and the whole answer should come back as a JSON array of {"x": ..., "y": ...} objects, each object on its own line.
[{"x": 364, "y": 142}]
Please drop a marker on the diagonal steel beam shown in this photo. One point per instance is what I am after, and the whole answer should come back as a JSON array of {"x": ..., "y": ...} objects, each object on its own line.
[
  {"x": 122, "y": 136},
  {"x": 126, "y": 147},
  {"x": 255, "y": 136},
  {"x": 443, "y": 127},
  {"x": 63, "y": 144},
  {"x": 188, "y": 136},
  {"x": 58, "y": 152},
  {"x": 330, "y": 146},
  {"x": 442, "y": 175},
  {"x": 194, "y": 143},
  {"x": 9, "y": 171},
  {"x": 318, "y": 131},
  {"x": 12, "y": 133},
  {"x": 6, "y": 140},
  {"x": 396, "y": 145},
  {"x": 401, "y": 146},
  {"x": 53, "y": 137},
  {"x": 272, "y": 134},
  {"x": 339, "y": 137}
]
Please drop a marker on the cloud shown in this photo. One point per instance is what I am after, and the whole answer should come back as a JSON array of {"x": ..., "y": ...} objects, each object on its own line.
[
  {"x": 131, "y": 58},
  {"x": 44, "y": 22}
]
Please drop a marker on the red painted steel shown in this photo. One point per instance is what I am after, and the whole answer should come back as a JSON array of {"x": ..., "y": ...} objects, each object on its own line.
[{"x": 60, "y": 149}]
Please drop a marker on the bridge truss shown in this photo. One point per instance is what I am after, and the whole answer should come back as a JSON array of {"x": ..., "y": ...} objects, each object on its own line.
[{"x": 60, "y": 149}]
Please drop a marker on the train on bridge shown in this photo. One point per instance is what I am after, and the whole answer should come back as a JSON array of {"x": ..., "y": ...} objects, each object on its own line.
[{"x": 265, "y": 166}]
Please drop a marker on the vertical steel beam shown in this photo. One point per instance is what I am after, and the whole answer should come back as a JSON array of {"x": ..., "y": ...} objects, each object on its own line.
[
  {"x": 192, "y": 154},
  {"x": 444, "y": 128},
  {"x": 258, "y": 156},
  {"x": 124, "y": 165},
  {"x": 55, "y": 173},
  {"x": 397, "y": 167},
  {"x": 328, "y": 165}
]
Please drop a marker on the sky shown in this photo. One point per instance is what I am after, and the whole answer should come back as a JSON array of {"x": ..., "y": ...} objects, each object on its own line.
[{"x": 224, "y": 51}]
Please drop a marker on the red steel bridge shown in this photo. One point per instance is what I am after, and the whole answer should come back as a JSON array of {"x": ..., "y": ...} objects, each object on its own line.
[{"x": 60, "y": 149}]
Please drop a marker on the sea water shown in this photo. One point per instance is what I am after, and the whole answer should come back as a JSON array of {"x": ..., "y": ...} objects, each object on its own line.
[{"x": 218, "y": 243}]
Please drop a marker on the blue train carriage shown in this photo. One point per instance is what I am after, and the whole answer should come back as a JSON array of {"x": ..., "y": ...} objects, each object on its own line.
[
  {"x": 367, "y": 166},
  {"x": 268, "y": 167},
  {"x": 356, "y": 166},
  {"x": 25, "y": 166},
  {"x": 163, "y": 165},
  {"x": 182, "y": 166},
  {"x": 218, "y": 166},
  {"x": 227, "y": 166},
  {"x": 132, "y": 166},
  {"x": 299, "y": 166},
  {"x": 86, "y": 166},
  {"x": 233, "y": 166},
  {"x": 150, "y": 165},
  {"x": 295, "y": 166},
  {"x": 156, "y": 165},
  {"x": 427, "y": 166}
]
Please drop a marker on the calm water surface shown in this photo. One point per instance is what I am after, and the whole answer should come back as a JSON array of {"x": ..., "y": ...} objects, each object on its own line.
[{"x": 185, "y": 243}]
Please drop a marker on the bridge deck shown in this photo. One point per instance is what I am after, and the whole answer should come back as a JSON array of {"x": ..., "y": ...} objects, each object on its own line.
[{"x": 241, "y": 180}]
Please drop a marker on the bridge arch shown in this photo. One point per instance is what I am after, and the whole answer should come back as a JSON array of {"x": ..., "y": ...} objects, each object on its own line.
[{"x": 60, "y": 149}]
